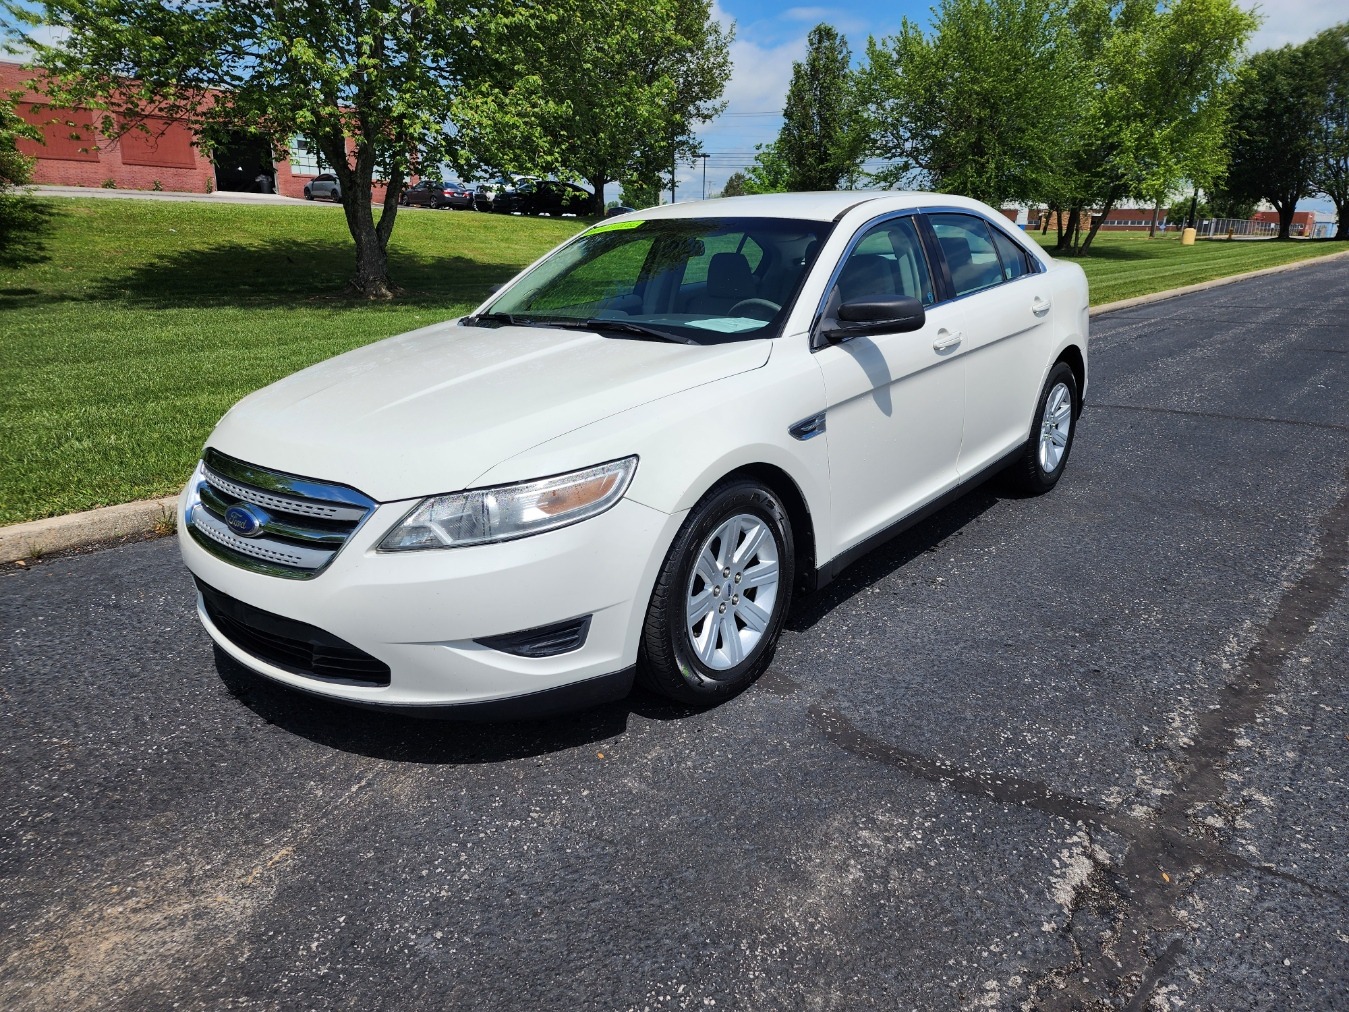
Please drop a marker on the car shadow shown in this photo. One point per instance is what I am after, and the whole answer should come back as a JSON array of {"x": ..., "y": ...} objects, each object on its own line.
[
  {"x": 926, "y": 536},
  {"x": 409, "y": 739}
]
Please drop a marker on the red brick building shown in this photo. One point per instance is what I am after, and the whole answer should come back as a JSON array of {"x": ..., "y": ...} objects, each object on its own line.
[{"x": 75, "y": 152}]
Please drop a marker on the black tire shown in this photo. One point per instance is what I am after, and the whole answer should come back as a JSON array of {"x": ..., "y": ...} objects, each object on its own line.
[
  {"x": 307, "y": 194},
  {"x": 1029, "y": 473},
  {"x": 667, "y": 662}
]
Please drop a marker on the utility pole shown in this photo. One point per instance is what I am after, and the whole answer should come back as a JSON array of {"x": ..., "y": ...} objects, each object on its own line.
[
  {"x": 674, "y": 166},
  {"x": 704, "y": 177}
]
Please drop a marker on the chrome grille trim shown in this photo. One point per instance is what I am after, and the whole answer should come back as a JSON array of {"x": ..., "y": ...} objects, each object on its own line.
[
  {"x": 304, "y": 522},
  {"x": 285, "y": 503},
  {"x": 267, "y": 549}
]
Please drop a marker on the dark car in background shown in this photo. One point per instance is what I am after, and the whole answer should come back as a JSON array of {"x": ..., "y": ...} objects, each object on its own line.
[
  {"x": 543, "y": 196},
  {"x": 438, "y": 193},
  {"x": 323, "y": 186}
]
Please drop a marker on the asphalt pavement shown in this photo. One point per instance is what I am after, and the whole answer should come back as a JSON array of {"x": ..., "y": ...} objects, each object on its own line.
[{"x": 1086, "y": 751}]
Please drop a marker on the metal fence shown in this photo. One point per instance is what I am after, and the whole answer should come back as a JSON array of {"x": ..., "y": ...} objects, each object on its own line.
[{"x": 1221, "y": 228}]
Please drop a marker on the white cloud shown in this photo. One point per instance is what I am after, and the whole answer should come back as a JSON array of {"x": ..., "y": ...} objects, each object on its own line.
[
  {"x": 814, "y": 14},
  {"x": 1286, "y": 22}
]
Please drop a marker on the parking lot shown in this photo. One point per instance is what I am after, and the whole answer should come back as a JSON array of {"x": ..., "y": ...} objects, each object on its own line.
[{"x": 1087, "y": 751}]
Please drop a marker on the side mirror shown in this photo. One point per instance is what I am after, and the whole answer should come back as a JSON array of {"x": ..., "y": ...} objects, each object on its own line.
[{"x": 877, "y": 314}]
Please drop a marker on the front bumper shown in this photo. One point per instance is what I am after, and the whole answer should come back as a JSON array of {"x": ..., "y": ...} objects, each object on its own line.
[{"x": 422, "y": 612}]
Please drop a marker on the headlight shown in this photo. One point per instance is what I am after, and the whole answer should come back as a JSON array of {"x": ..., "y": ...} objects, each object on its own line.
[{"x": 481, "y": 516}]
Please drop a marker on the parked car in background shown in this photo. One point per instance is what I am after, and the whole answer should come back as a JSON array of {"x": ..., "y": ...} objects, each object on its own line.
[
  {"x": 323, "y": 187},
  {"x": 543, "y": 196},
  {"x": 484, "y": 195},
  {"x": 438, "y": 193},
  {"x": 635, "y": 453}
]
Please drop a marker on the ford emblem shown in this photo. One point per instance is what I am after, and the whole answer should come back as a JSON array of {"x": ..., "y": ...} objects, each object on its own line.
[{"x": 245, "y": 520}]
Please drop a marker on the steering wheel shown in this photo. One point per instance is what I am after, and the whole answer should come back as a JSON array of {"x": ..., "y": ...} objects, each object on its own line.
[{"x": 772, "y": 307}]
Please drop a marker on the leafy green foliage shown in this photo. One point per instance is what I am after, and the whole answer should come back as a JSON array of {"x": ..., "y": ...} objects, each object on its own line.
[
  {"x": 1274, "y": 138},
  {"x": 735, "y": 185},
  {"x": 769, "y": 173},
  {"x": 1330, "y": 52},
  {"x": 821, "y": 139},
  {"x": 1156, "y": 113},
  {"x": 973, "y": 107},
  {"x": 600, "y": 91}
]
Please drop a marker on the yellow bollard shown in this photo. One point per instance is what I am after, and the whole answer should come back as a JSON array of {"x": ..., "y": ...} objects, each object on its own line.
[{"x": 1187, "y": 237}]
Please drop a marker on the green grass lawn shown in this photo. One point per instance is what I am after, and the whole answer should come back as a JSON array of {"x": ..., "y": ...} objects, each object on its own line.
[
  {"x": 1122, "y": 265},
  {"x": 128, "y": 327}
]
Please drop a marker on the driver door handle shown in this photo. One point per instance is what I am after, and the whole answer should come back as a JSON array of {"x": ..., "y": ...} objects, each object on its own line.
[
  {"x": 946, "y": 339},
  {"x": 1040, "y": 306}
]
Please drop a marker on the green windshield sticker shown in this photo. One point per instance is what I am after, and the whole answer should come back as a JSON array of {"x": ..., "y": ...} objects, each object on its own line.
[{"x": 613, "y": 226}]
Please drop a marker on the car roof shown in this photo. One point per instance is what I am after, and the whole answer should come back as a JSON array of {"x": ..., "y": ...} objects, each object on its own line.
[{"x": 825, "y": 205}]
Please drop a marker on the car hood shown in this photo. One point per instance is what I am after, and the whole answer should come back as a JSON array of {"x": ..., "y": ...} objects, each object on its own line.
[{"x": 430, "y": 411}]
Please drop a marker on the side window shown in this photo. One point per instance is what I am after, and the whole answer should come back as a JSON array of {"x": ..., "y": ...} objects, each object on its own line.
[
  {"x": 969, "y": 252},
  {"x": 1015, "y": 262},
  {"x": 887, "y": 260}
]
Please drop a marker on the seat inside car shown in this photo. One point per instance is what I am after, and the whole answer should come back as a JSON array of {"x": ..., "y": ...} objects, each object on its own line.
[
  {"x": 966, "y": 274},
  {"x": 729, "y": 280}
]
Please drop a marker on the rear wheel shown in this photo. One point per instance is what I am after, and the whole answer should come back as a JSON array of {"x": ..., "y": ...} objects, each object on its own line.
[
  {"x": 721, "y": 597},
  {"x": 1051, "y": 438}
]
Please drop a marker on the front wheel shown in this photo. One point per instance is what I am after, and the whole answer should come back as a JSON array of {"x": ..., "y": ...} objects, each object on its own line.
[
  {"x": 721, "y": 597},
  {"x": 1051, "y": 439}
]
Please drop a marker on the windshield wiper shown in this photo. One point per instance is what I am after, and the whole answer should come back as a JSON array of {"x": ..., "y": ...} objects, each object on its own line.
[
  {"x": 596, "y": 324},
  {"x": 489, "y": 318},
  {"x": 639, "y": 329}
]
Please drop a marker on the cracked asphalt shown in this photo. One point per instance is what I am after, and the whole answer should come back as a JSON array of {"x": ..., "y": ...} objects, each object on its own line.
[{"x": 1081, "y": 752}]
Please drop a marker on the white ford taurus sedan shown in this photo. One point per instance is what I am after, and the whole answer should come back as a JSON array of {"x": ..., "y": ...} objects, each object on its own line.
[{"x": 629, "y": 459}]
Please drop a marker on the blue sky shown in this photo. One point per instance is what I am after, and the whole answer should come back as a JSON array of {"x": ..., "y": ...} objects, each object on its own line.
[{"x": 770, "y": 36}]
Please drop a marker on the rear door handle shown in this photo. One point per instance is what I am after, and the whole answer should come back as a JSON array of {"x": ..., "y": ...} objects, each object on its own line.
[
  {"x": 946, "y": 339},
  {"x": 1040, "y": 306}
]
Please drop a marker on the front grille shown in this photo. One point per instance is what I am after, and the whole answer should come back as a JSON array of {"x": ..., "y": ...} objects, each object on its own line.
[
  {"x": 296, "y": 525},
  {"x": 290, "y": 645}
]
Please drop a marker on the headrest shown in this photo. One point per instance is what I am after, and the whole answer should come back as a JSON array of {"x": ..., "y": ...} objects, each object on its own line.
[
  {"x": 867, "y": 274},
  {"x": 957, "y": 250},
  {"x": 729, "y": 277}
]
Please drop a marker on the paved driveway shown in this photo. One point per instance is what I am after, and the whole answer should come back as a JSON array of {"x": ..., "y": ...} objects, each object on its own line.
[{"x": 1081, "y": 752}]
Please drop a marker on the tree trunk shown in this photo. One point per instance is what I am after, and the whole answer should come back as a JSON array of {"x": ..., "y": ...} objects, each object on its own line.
[
  {"x": 1286, "y": 209},
  {"x": 1066, "y": 235},
  {"x": 1156, "y": 212},
  {"x": 597, "y": 188},
  {"x": 1342, "y": 220},
  {"x": 371, "y": 280},
  {"x": 1098, "y": 221}
]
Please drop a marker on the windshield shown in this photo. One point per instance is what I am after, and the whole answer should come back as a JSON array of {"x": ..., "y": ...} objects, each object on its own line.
[{"x": 703, "y": 280}]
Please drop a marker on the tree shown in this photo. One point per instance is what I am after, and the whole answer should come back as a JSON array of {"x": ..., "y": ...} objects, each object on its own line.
[
  {"x": 601, "y": 91},
  {"x": 973, "y": 108},
  {"x": 820, "y": 139},
  {"x": 370, "y": 82},
  {"x": 1275, "y": 118},
  {"x": 1153, "y": 109},
  {"x": 768, "y": 173},
  {"x": 736, "y": 185},
  {"x": 1330, "y": 174}
]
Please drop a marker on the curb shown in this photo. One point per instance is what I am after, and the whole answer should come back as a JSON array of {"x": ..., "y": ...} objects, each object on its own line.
[
  {"x": 36, "y": 538},
  {"x": 81, "y": 530},
  {"x": 1203, "y": 286}
]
